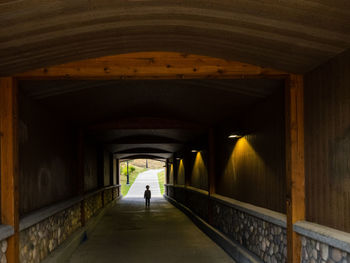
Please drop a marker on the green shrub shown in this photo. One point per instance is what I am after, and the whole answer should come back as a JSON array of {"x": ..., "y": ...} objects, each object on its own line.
[{"x": 131, "y": 170}]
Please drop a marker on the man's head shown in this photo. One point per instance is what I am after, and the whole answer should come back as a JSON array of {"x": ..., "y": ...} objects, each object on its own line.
[{"x": 147, "y": 187}]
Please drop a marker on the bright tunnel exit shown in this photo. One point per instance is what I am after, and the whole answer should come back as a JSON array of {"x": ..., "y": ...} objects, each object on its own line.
[{"x": 136, "y": 174}]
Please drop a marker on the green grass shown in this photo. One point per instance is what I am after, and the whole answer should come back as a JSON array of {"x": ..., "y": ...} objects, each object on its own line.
[
  {"x": 133, "y": 173},
  {"x": 161, "y": 180}
]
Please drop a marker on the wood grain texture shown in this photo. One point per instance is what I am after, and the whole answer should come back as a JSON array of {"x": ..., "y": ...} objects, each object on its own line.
[
  {"x": 255, "y": 163},
  {"x": 327, "y": 143},
  {"x": 211, "y": 161},
  {"x": 295, "y": 165},
  {"x": 9, "y": 163},
  {"x": 294, "y": 36},
  {"x": 153, "y": 65}
]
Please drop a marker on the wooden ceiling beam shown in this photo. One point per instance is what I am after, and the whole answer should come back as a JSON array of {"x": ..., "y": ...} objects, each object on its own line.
[{"x": 152, "y": 65}]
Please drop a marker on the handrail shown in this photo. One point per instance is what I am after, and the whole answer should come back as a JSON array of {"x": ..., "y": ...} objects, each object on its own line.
[
  {"x": 6, "y": 231},
  {"x": 268, "y": 215},
  {"x": 324, "y": 234},
  {"x": 45, "y": 212}
]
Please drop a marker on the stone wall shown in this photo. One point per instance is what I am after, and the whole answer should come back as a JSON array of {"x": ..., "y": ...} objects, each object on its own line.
[
  {"x": 180, "y": 194},
  {"x": 115, "y": 192},
  {"x": 92, "y": 205},
  {"x": 317, "y": 252},
  {"x": 39, "y": 240},
  {"x": 261, "y": 235},
  {"x": 3, "y": 249},
  {"x": 108, "y": 196},
  {"x": 198, "y": 203},
  {"x": 266, "y": 240},
  {"x": 170, "y": 191}
]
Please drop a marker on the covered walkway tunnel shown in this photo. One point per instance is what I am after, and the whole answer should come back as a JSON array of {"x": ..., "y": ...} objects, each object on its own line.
[{"x": 247, "y": 103}]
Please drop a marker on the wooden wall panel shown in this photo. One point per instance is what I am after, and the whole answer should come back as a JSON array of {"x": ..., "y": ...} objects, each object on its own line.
[
  {"x": 47, "y": 157},
  {"x": 252, "y": 169},
  {"x": 171, "y": 174},
  {"x": 199, "y": 175},
  {"x": 181, "y": 172},
  {"x": 327, "y": 143}
]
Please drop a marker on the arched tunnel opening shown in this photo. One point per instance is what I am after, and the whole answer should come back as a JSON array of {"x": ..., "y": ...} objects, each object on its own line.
[
  {"x": 238, "y": 145},
  {"x": 109, "y": 123},
  {"x": 136, "y": 174}
]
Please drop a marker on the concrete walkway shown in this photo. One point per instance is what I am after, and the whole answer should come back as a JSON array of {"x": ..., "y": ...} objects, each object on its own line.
[
  {"x": 129, "y": 233},
  {"x": 149, "y": 177}
]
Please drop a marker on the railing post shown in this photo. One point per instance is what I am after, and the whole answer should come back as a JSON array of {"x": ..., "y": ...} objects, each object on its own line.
[
  {"x": 9, "y": 163},
  {"x": 295, "y": 170}
]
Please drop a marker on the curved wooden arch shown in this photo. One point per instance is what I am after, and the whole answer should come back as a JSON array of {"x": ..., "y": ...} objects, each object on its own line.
[{"x": 153, "y": 65}]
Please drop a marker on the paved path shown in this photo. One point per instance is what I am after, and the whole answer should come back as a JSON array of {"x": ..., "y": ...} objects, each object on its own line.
[
  {"x": 130, "y": 233},
  {"x": 149, "y": 177}
]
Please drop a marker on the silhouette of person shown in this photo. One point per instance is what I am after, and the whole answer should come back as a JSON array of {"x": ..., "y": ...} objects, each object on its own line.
[{"x": 147, "y": 196}]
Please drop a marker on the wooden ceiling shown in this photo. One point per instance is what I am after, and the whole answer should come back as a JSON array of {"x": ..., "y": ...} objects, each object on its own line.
[
  {"x": 207, "y": 102},
  {"x": 149, "y": 118},
  {"x": 293, "y": 36}
]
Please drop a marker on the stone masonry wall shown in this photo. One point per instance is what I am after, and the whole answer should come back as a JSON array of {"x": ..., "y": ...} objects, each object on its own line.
[
  {"x": 180, "y": 195},
  {"x": 108, "y": 196},
  {"x": 3, "y": 249},
  {"x": 266, "y": 240},
  {"x": 38, "y": 241},
  {"x": 92, "y": 205},
  {"x": 170, "y": 191},
  {"x": 317, "y": 252},
  {"x": 115, "y": 192},
  {"x": 198, "y": 203}
]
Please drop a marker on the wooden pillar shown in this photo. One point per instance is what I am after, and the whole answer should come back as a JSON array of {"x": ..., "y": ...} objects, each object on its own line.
[
  {"x": 211, "y": 172},
  {"x": 115, "y": 171},
  {"x": 166, "y": 170},
  {"x": 111, "y": 170},
  {"x": 81, "y": 179},
  {"x": 295, "y": 170},
  {"x": 175, "y": 169},
  {"x": 188, "y": 169},
  {"x": 211, "y": 162},
  {"x": 9, "y": 163}
]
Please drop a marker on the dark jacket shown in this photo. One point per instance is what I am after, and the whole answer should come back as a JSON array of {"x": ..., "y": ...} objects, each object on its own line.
[{"x": 147, "y": 194}]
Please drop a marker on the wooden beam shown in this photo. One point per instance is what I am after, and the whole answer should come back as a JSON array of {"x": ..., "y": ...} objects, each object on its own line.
[
  {"x": 9, "y": 163},
  {"x": 145, "y": 123},
  {"x": 143, "y": 139},
  {"x": 295, "y": 170},
  {"x": 153, "y": 65}
]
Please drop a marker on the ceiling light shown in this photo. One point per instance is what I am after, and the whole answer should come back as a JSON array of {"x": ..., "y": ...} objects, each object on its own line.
[{"x": 234, "y": 136}]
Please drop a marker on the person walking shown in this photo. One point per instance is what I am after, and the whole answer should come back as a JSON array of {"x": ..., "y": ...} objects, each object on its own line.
[{"x": 147, "y": 196}]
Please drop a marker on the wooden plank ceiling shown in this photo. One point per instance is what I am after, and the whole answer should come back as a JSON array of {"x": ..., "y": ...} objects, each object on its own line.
[
  {"x": 149, "y": 117},
  {"x": 293, "y": 36}
]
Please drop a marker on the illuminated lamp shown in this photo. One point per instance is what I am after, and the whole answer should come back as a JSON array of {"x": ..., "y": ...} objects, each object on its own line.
[{"x": 234, "y": 136}]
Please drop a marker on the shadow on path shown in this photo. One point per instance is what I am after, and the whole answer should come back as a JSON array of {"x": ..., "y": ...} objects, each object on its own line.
[{"x": 131, "y": 233}]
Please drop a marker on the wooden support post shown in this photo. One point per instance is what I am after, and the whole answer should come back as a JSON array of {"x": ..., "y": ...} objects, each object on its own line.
[
  {"x": 295, "y": 170},
  {"x": 188, "y": 168},
  {"x": 115, "y": 171},
  {"x": 9, "y": 163},
  {"x": 211, "y": 172},
  {"x": 111, "y": 170},
  {"x": 166, "y": 171},
  {"x": 175, "y": 169},
  {"x": 81, "y": 179},
  {"x": 211, "y": 164}
]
